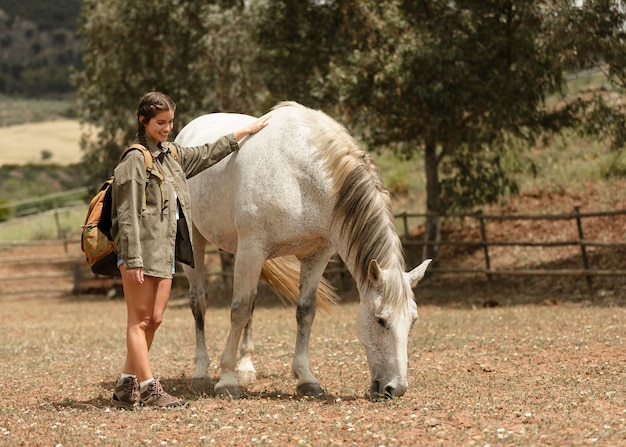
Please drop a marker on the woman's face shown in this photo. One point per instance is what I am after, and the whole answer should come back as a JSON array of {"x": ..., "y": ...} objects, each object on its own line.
[{"x": 159, "y": 127}]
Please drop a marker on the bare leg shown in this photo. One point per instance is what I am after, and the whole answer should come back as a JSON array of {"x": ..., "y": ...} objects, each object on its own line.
[{"x": 145, "y": 305}]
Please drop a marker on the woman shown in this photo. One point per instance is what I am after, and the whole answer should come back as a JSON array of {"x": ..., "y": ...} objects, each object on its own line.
[{"x": 150, "y": 221}]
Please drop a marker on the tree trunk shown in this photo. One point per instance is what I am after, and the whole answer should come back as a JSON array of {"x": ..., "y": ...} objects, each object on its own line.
[{"x": 433, "y": 202}]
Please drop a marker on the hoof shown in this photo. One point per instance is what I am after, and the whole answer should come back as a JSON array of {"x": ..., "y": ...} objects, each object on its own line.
[
  {"x": 310, "y": 390},
  {"x": 201, "y": 385},
  {"x": 234, "y": 392},
  {"x": 246, "y": 377}
]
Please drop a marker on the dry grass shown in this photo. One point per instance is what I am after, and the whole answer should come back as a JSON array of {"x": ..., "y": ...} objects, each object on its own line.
[
  {"x": 514, "y": 375},
  {"x": 24, "y": 143},
  {"x": 518, "y": 375}
]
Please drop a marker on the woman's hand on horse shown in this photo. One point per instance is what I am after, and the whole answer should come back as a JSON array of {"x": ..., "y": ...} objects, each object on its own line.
[{"x": 252, "y": 128}]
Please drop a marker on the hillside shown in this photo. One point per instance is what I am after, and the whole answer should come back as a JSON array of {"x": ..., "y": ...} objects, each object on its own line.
[
  {"x": 38, "y": 45},
  {"x": 23, "y": 143},
  {"x": 49, "y": 15}
]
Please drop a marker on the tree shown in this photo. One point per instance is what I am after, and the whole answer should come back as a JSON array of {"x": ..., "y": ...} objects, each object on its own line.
[
  {"x": 195, "y": 52},
  {"x": 465, "y": 84},
  {"x": 297, "y": 41},
  {"x": 595, "y": 33}
]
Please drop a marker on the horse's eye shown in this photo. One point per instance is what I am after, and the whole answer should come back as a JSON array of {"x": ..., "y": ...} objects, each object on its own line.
[{"x": 382, "y": 322}]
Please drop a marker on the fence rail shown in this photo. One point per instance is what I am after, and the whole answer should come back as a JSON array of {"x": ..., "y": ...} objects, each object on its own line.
[{"x": 485, "y": 243}]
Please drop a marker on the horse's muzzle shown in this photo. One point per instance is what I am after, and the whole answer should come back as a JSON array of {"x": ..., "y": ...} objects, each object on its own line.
[{"x": 391, "y": 389}]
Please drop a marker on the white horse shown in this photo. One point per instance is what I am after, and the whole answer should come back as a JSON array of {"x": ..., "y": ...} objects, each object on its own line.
[{"x": 301, "y": 187}]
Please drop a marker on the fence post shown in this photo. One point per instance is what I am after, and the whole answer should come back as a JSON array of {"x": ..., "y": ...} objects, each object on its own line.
[
  {"x": 406, "y": 225},
  {"x": 583, "y": 248},
  {"x": 228, "y": 267},
  {"x": 60, "y": 233},
  {"x": 484, "y": 242},
  {"x": 432, "y": 230}
]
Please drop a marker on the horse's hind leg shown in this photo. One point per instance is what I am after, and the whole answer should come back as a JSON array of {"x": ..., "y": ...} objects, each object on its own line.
[
  {"x": 201, "y": 378},
  {"x": 310, "y": 274}
]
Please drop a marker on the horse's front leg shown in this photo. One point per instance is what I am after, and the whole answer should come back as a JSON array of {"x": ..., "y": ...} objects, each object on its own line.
[
  {"x": 311, "y": 272},
  {"x": 246, "y": 277},
  {"x": 245, "y": 369}
]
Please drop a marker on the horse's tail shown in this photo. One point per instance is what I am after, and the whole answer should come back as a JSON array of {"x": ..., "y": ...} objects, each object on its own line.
[{"x": 282, "y": 275}]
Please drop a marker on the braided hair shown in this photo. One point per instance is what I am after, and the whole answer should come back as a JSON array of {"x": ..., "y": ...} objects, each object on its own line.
[{"x": 151, "y": 104}]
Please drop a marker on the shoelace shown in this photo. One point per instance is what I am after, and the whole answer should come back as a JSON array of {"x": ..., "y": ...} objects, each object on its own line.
[
  {"x": 132, "y": 387},
  {"x": 157, "y": 389}
]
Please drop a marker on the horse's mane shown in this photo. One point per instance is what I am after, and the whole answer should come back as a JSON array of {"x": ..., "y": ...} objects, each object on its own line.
[{"x": 362, "y": 204}]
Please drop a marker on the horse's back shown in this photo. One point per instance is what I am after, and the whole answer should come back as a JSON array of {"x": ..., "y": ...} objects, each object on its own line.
[{"x": 273, "y": 192}]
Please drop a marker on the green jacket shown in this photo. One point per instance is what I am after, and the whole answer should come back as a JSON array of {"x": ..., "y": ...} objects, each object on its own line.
[{"x": 147, "y": 238}]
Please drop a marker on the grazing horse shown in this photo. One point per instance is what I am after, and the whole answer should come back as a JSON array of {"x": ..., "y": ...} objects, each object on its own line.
[{"x": 300, "y": 189}]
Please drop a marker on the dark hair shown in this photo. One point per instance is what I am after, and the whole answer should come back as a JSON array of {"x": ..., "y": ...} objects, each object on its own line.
[{"x": 151, "y": 104}]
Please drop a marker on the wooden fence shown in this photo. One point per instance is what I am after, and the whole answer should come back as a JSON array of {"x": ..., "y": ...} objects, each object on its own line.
[
  {"x": 477, "y": 237},
  {"x": 485, "y": 242}
]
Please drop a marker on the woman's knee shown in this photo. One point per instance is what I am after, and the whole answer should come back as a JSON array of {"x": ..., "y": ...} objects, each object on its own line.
[
  {"x": 150, "y": 323},
  {"x": 153, "y": 322},
  {"x": 156, "y": 321}
]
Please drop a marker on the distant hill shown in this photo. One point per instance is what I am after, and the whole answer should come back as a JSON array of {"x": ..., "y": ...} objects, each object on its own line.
[
  {"x": 49, "y": 15},
  {"x": 38, "y": 44}
]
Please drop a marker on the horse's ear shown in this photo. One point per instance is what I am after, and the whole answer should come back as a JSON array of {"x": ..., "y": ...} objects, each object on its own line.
[
  {"x": 374, "y": 274},
  {"x": 418, "y": 272}
]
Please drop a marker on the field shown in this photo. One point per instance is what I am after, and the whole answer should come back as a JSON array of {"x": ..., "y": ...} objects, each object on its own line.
[
  {"x": 24, "y": 143},
  {"x": 545, "y": 366},
  {"x": 510, "y": 376}
]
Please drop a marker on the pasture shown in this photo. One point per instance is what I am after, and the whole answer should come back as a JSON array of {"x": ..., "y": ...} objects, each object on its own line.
[
  {"x": 518, "y": 375},
  {"x": 547, "y": 366}
]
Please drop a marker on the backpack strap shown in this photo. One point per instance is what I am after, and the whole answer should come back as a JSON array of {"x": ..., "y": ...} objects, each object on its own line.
[{"x": 148, "y": 161}]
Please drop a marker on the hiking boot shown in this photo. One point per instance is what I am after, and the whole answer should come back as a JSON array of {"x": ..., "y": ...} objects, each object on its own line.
[
  {"x": 154, "y": 396},
  {"x": 126, "y": 394}
]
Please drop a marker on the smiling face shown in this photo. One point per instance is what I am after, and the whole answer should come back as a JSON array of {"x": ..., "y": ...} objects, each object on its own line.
[
  {"x": 159, "y": 126},
  {"x": 155, "y": 117}
]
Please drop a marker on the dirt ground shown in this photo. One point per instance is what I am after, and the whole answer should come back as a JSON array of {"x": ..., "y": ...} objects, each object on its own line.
[
  {"x": 530, "y": 361},
  {"x": 518, "y": 375}
]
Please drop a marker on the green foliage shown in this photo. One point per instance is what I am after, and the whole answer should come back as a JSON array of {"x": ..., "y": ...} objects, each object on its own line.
[
  {"x": 196, "y": 52},
  {"x": 46, "y": 155},
  {"x": 25, "y": 182},
  {"x": 459, "y": 79},
  {"x": 298, "y": 41},
  {"x": 19, "y": 110},
  {"x": 466, "y": 169},
  {"x": 6, "y": 210},
  {"x": 468, "y": 85},
  {"x": 615, "y": 167},
  {"x": 45, "y": 225}
]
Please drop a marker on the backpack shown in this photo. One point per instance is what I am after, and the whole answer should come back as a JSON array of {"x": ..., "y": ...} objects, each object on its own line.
[{"x": 96, "y": 241}]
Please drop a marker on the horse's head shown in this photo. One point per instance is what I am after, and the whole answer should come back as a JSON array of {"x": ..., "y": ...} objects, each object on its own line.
[{"x": 383, "y": 326}]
